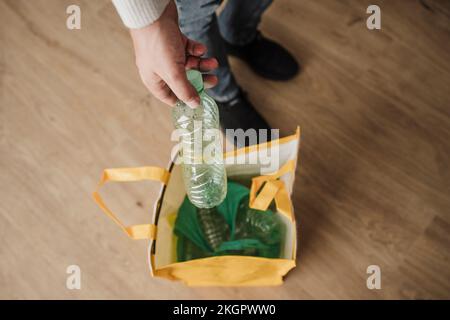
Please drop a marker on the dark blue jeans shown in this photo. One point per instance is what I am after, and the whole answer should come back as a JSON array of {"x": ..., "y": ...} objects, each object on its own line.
[{"x": 237, "y": 24}]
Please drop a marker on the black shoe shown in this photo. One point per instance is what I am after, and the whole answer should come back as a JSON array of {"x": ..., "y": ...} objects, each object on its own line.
[
  {"x": 266, "y": 58},
  {"x": 239, "y": 113}
]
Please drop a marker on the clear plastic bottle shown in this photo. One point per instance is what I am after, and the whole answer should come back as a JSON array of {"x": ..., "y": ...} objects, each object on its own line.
[
  {"x": 204, "y": 173},
  {"x": 265, "y": 226},
  {"x": 214, "y": 227}
]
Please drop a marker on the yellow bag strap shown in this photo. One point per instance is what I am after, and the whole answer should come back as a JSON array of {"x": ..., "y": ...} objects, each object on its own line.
[
  {"x": 140, "y": 231},
  {"x": 273, "y": 189}
]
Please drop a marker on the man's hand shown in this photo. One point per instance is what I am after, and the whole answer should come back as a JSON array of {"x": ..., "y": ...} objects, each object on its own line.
[{"x": 163, "y": 54}]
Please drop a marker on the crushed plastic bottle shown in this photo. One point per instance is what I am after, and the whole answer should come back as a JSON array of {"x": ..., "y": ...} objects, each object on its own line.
[
  {"x": 266, "y": 226},
  {"x": 214, "y": 227}
]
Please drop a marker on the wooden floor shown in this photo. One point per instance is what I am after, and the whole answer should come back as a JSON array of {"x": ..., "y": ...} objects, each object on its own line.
[{"x": 374, "y": 183}]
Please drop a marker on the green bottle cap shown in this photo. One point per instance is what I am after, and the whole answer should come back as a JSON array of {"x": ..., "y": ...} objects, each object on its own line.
[{"x": 195, "y": 78}]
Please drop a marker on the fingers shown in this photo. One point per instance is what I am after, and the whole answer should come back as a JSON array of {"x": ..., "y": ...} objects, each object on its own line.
[
  {"x": 210, "y": 80},
  {"x": 204, "y": 65},
  {"x": 201, "y": 64},
  {"x": 162, "y": 92},
  {"x": 167, "y": 80},
  {"x": 195, "y": 48},
  {"x": 177, "y": 80}
]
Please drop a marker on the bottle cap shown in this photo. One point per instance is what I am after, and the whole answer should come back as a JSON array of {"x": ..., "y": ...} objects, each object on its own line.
[{"x": 195, "y": 78}]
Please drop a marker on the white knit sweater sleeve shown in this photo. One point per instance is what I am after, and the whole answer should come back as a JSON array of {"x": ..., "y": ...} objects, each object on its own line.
[{"x": 137, "y": 14}]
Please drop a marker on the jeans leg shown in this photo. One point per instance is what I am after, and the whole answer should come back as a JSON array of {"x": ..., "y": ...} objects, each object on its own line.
[
  {"x": 238, "y": 22},
  {"x": 198, "y": 21}
]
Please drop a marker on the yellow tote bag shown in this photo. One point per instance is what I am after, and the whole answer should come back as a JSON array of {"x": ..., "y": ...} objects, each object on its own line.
[{"x": 221, "y": 270}]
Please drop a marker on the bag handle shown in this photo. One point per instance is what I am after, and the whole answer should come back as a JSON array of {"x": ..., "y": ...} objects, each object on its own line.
[
  {"x": 140, "y": 231},
  {"x": 272, "y": 189}
]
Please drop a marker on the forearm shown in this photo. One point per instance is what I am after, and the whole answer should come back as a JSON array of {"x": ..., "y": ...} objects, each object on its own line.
[{"x": 137, "y": 14}]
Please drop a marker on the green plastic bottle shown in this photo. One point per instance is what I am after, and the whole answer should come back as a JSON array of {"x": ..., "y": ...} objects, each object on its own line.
[{"x": 203, "y": 168}]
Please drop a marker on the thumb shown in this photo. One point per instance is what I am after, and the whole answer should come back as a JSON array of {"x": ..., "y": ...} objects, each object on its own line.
[{"x": 181, "y": 87}]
